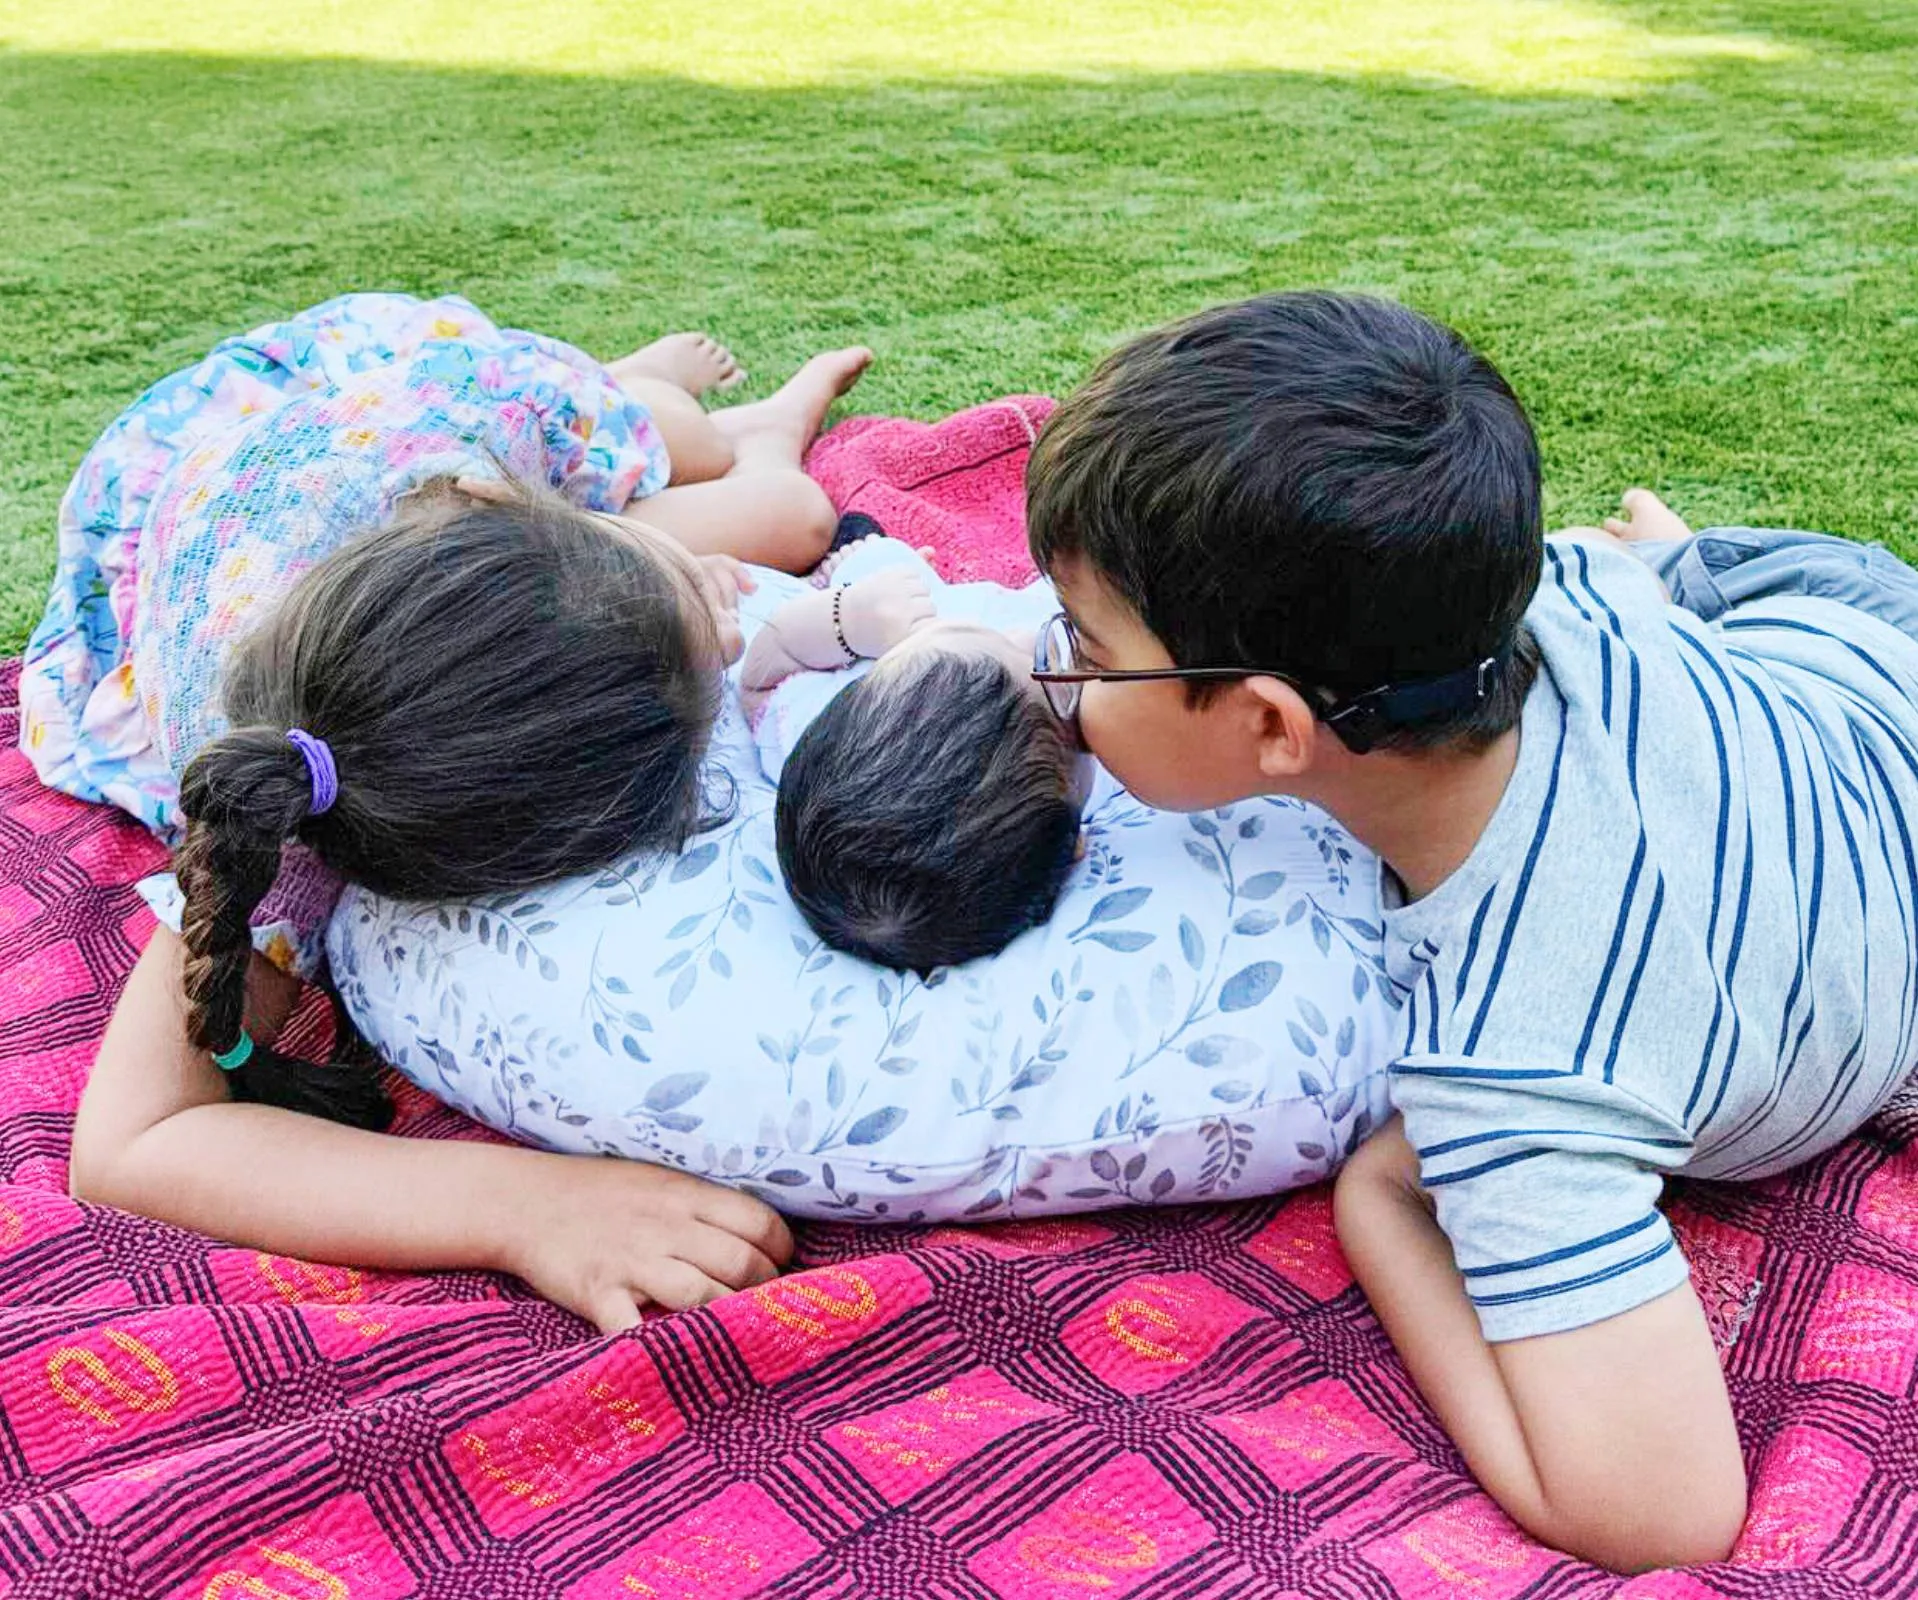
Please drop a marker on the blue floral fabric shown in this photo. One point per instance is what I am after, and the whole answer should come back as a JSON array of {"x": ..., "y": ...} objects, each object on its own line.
[{"x": 1206, "y": 1015}]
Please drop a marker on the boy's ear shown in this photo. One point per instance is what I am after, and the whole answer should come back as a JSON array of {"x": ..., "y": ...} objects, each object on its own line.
[{"x": 1287, "y": 730}]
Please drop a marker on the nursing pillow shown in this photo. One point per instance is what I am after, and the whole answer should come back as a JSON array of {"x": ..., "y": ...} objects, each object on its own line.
[{"x": 1205, "y": 1016}]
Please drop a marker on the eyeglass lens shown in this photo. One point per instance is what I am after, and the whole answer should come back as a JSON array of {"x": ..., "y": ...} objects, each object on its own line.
[{"x": 1056, "y": 654}]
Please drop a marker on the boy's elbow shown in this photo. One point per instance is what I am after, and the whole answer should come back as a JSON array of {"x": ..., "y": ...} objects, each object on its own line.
[
  {"x": 86, "y": 1180},
  {"x": 91, "y": 1173},
  {"x": 1384, "y": 1169},
  {"x": 100, "y": 1168},
  {"x": 1643, "y": 1538}
]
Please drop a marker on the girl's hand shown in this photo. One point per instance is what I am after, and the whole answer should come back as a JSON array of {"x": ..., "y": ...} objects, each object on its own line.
[
  {"x": 157, "y": 1135},
  {"x": 726, "y": 580},
  {"x": 881, "y": 610},
  {"x": 603, "y": 1237},
  {"x": 487, "y": 489},
  {"x": 1646, "y": 518}
]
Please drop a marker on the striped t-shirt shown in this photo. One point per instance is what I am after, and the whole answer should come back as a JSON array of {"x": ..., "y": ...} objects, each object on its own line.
[{"x": 1685, "y": 941}]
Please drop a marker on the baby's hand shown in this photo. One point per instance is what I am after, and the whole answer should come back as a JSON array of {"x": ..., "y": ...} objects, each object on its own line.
[
  {"x": 879, "y": 611},
  {"x": 603, "y": 1237}
]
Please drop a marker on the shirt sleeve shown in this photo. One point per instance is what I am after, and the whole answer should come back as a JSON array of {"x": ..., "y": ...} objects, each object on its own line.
[
  {"x": 602, "y": 447},
  {"x": 1547, "y": 1185},
  {"x": 791, "y": 708}
]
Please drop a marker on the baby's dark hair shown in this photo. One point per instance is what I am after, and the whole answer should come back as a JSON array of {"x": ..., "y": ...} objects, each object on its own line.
[
  {"x": 927, "y": 816},
  {"x": 512, "y": 692},
  {"x": 1325, "y": 484}
]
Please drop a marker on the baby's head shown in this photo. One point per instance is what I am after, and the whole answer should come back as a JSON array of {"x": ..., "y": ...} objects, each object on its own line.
[{"x": 930, "y": 814}]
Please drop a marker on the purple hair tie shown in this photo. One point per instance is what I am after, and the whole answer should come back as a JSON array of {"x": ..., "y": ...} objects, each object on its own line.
[{"x": 319, "y": 768}]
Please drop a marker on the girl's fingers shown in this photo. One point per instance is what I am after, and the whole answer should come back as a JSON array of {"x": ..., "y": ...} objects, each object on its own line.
[
  {"x": 1617, "y": 527},
  {"x": 746, "y": 1218},
  {"x": 677, "y": 1285},
  {"x": 612, "y": 1310},
  {"x": 727, "y": 1259},
  {"x": 485, "y": 489}
]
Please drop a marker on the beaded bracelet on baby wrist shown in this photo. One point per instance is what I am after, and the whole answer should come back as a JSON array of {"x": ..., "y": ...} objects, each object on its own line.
[{"x": 839, "y": 624}]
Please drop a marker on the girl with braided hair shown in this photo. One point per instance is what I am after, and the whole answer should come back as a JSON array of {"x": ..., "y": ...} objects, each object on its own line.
[{"x": 358, "y": 599}]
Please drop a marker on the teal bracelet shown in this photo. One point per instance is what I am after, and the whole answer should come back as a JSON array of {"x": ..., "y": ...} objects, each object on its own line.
[{"x": 241, "y": 1053}]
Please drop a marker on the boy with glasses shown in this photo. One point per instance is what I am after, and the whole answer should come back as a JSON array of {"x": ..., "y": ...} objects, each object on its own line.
[{"x": 1651, "y": 878}]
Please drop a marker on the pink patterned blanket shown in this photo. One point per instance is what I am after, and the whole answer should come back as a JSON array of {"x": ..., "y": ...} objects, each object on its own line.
[{"x": 1149, "y": 1406}]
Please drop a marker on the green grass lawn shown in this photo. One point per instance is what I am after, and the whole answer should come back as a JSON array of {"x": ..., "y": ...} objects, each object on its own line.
[{"x": 1686, "y": 231}]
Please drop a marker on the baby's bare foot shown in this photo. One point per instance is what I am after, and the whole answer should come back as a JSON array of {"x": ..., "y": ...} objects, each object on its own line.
[
  {"x": 1646, "y": 518},
  {"x": 785, "y": 423},
  {"x": 694, "y": 362},
  {"x": 836, "y": 558}
]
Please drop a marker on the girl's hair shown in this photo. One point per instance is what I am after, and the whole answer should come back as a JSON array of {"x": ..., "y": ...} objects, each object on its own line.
[
  {"x": 926, "y": 816},
  {"x": 512, "y": 691}
]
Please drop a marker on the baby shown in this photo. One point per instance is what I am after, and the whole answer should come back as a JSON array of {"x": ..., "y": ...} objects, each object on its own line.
[{"x": 929, "y": 798}]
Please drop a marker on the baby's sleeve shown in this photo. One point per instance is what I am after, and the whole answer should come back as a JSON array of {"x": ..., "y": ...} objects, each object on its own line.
[
  {"x": 790, "y": 709},
  {"x": 1547, "y": 1185},
  {"x": 602, "y": 447}
]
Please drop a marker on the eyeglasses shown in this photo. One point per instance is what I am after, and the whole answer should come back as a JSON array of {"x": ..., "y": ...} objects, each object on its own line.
[
  {"x": 1055, "y": 665},
  {"x": 1359, "y": 720}
]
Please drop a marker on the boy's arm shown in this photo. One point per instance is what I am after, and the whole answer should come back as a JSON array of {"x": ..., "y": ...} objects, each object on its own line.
[
  {"x": 1613, "y": 1442},
  {"x": 156, "y": 1135}
]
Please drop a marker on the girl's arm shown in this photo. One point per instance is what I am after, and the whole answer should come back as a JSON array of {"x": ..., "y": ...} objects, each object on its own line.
[
  {"x": 157, "y": 1135},
  {"x": 1613, "y": 1442}
]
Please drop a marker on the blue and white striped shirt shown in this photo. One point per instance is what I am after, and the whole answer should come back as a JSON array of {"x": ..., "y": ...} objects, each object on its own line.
[{"x": 1684, "y": 943}]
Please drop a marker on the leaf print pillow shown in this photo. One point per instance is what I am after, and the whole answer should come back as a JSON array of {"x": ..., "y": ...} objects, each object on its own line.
[{"x": 1204, "y": 1016}]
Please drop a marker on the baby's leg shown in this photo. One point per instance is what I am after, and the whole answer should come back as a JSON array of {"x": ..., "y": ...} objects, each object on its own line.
[
  {"x": 878, "y": 552},
  {"x": 764, "y": 509}
]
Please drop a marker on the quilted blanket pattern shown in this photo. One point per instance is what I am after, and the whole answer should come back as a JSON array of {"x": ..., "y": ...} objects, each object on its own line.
[{"x": 1152, "y": 1406}]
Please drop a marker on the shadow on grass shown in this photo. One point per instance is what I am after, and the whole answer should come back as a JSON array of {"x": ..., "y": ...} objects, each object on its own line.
[{"x": 1707, "y": 287}]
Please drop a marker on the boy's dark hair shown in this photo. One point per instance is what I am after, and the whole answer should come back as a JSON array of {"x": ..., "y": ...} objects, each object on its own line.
[
  {"x": 511, "y": 692},
  {"x": 1325, "y": 484},
  {"x": 926, "y": 816}
]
